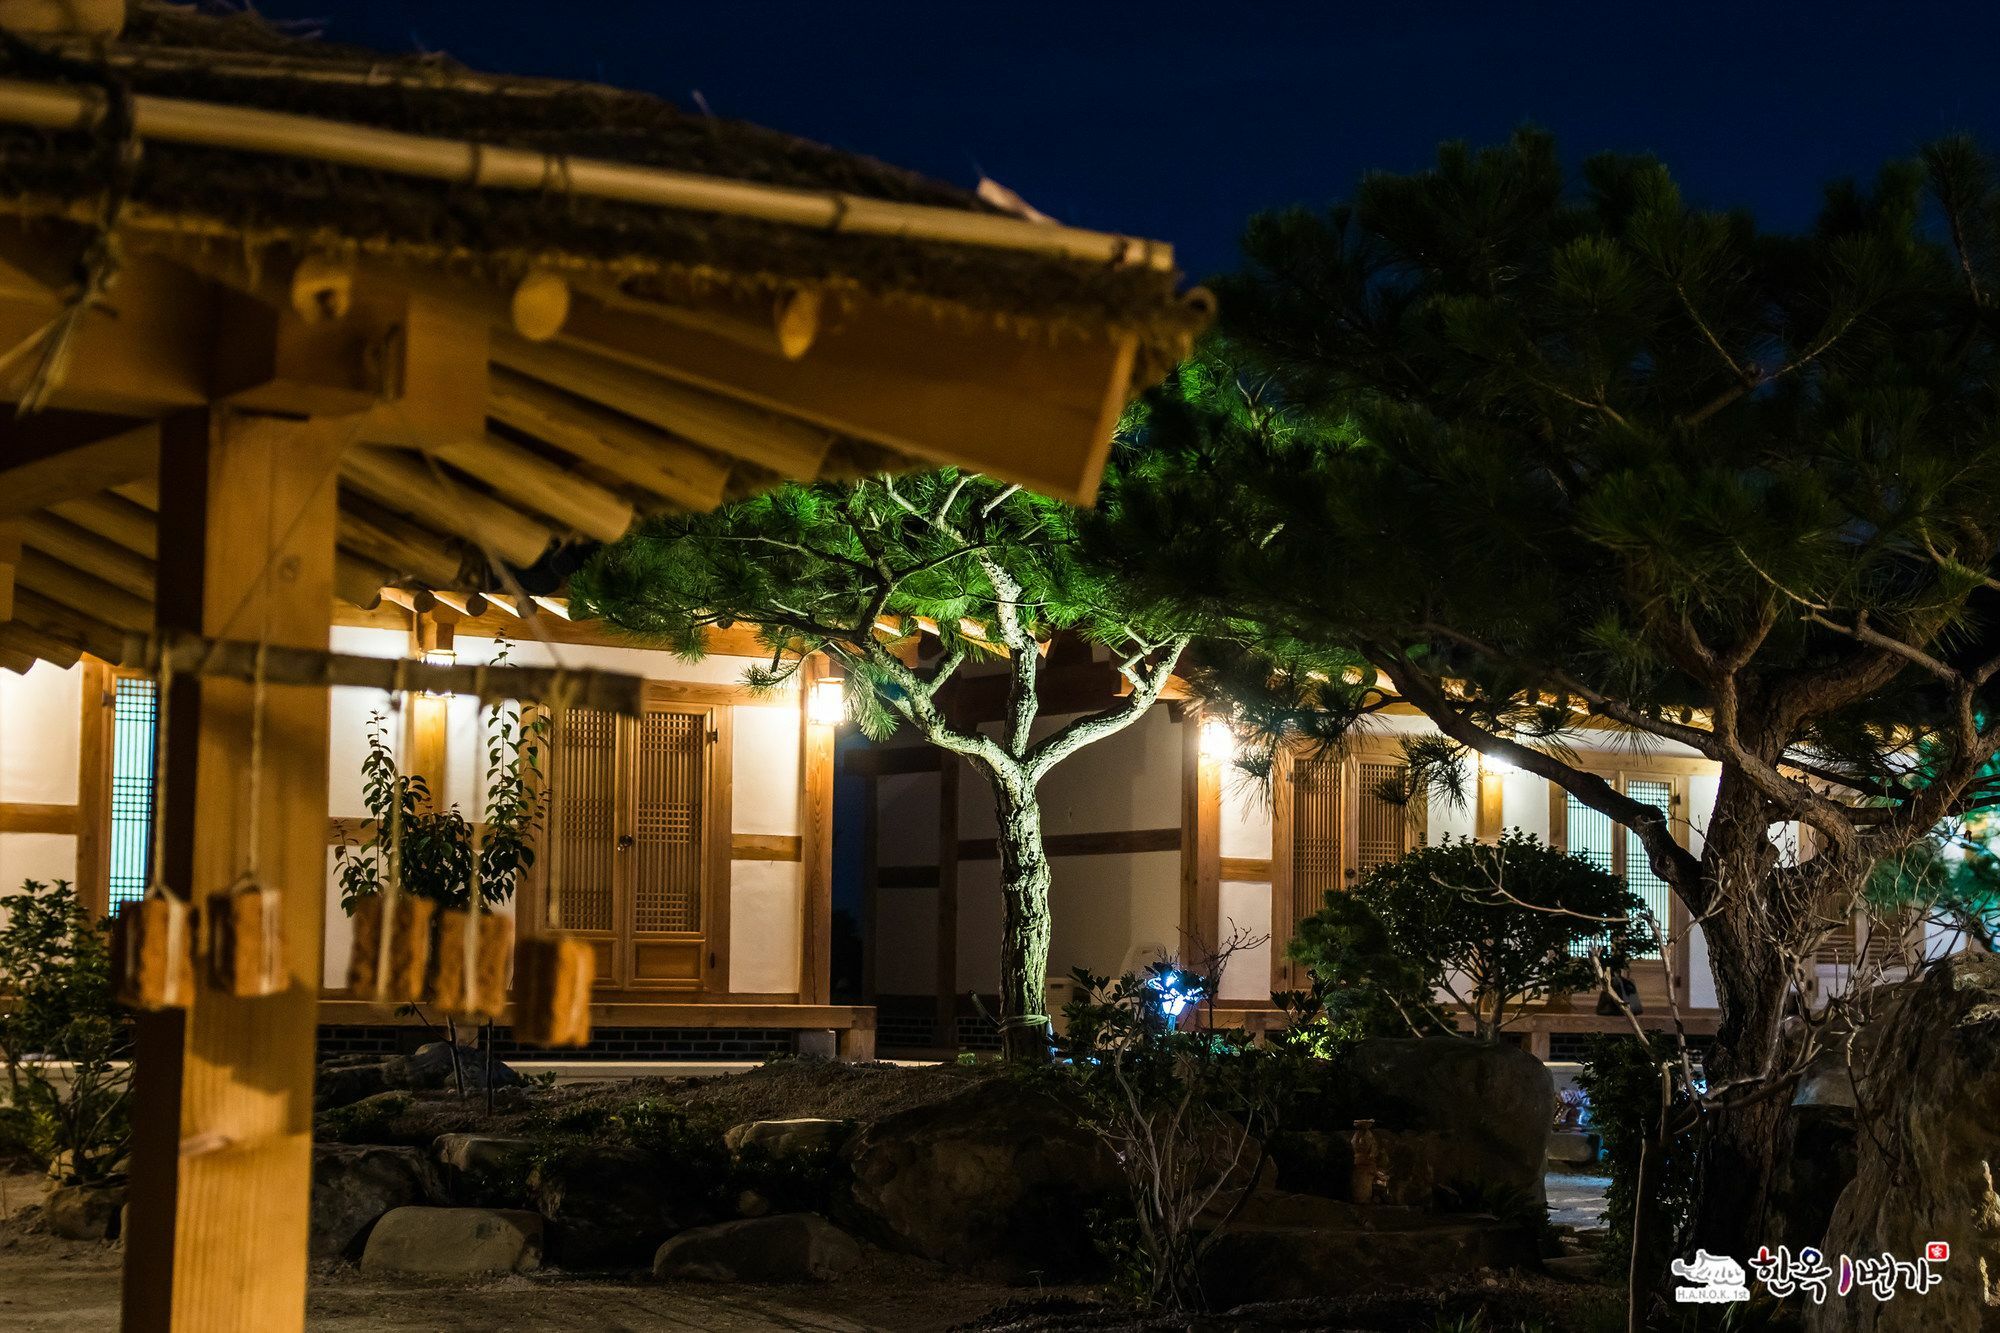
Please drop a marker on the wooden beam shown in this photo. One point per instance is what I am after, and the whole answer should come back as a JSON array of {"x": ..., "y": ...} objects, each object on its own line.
[
  {"x": 10, "y": 561},
  {"x": 1246, "y": 869},
  {"x": 1038, "y": 410},
  {"x": 80, "y": 549},
  {"x": 63, "y": 622},
  {"x": 64, "y": 584},
  {"x": 113, "y": 518},
  {"x": 145, "y": 349},
  {"x": 60, "y": 652},
  {"x": 782, "y": 326},
  {"x": 529, "y": 481},
  {"x": 779, "y": 442},
  {"x": 394, "y": 479},
  {"x": 617, "y": 446},
  {"x": 37, "y": 817},
  {"x": 766, "y": 847},
  {"x": 221, "y": 1176},
  {"x": 816, "y": 843},
  {"x": 407, "y": 548},
  {"x": 33, "y": 478}
]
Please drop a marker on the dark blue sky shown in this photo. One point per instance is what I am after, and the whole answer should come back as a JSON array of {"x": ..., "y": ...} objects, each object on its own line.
[{"x": 1178, "y": 120}]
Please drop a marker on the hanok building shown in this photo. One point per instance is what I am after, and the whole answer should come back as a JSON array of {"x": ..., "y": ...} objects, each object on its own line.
[
  {"x": 1163, "y": 849},
  {"x": 284, "y": 325}
]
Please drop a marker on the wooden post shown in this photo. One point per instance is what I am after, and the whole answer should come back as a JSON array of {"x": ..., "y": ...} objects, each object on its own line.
[
  {"x": 222, "y": 1098},
  {"x": 1201, "y": 845},
  {"x": 427, "y": 717},
  {"x": 947, "y": 902},
  {"x": 871, "y": 882},
  {"x": 815, "y": 843}
]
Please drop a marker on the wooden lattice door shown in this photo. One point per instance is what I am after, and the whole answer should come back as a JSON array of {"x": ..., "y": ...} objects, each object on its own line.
[{"x": 631, "y": 862}]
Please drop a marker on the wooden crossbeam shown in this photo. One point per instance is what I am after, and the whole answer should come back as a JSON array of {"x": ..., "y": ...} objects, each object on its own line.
[
  {"x": 783, "y": 444},
  {"x": 1034, "y": 410},
  {"x": 615, "y": 445},
  {"x": 65, "y": 456},
  {"x": 113, "y": 518},
  {"x": 394, "y": 479},
  {"x": 532, "y": 482}
]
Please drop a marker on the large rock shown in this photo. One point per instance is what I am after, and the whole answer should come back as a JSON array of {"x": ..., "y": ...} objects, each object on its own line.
[
  {"x": 430, "y": 1068},
  {"x": 484, "y": 1168},
  {"x": 1929, "y": 1076},
  {"x": 785, "y": 1138},
  {"x": 606, "y": 1207},
  {"x": 454, "y": 1242},
  {"x": 998, "y": 1177},
  {"x": 1490, "y": 1105},
  {"x": 84, "y": 1212},
  {"x": 792, "y": 1247},
  {"x": 353, "y": 1185},
  {"x": 348, "y": 1081}
]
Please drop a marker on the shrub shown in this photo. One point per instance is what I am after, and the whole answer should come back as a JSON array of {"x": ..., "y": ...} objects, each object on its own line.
[
  {"x": 1186, "y": 1116},
  {"x": 60, "y": 1035},
  {"x": 1489, "y": 924},
  {"x": 1622, "y": 1079}
]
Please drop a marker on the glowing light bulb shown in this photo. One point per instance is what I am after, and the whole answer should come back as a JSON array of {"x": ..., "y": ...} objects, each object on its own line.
[
  {"x": 1217, "y": 740},
  {"x": 826, "y": 703}
]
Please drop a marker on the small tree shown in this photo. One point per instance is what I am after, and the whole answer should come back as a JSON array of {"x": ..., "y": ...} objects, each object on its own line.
[
  {"x": 443, "y": 856},
  {"x": 859, "y": 570},
  {"x": 1492, "y": 925},
  {"x": 55, "y": 965}
]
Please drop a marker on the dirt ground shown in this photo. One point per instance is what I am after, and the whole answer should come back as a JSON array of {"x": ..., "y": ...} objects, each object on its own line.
[{"x": 49, "y": 1286}]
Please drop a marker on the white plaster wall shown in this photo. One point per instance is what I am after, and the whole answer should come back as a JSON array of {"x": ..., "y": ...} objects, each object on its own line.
[
  {"x": 40, "y": 719},
  {"x": 1246, "y": 908},
  {"x": 1524, "y": 804},
  {"x": 1701, "y": 977},
  {"x": 765, "y": 896}
]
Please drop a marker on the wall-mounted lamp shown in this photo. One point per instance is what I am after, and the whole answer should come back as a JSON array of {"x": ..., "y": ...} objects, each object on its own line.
[
  {"x": 439, "y": 657},
  {"x": 1218, "y": 741},
  {"x": 826, "y": 702},
  {"x": 1498, "y": 768}
]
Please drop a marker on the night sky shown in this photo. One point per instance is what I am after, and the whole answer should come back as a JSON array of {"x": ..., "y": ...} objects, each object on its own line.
[{"x": 1179, "y": 120}]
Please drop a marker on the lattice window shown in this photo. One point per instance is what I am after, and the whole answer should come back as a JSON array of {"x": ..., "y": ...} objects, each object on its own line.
[
  {"x": 667, "y": 822},
  {"x": 1317, "y": 859},
  {"x": 1589, "y": 832},
  {"x": 1639, "y": 876},
  {"x": 1388, "y": 828},
  {"x": 584, "y": 870},
  {"x": 135, "y": 710}
]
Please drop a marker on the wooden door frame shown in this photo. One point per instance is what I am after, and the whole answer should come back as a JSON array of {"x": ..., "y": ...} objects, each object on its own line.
[
  {"x": 717, "y": 849},
  {"x": 1676, "y": 773}
]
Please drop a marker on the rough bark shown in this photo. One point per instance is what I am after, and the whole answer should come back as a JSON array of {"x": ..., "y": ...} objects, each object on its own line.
[{"x": 1024, "y": 934}]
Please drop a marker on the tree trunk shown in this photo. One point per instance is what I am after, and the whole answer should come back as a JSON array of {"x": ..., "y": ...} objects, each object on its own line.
[
  {"x": 1024, "y": 931},
  {"x": 1740, "y": 1146}
]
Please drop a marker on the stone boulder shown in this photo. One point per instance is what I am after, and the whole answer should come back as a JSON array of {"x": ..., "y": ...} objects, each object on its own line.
[
  {"x": 353, "y": 1185},
  {"x": 349, "y": 1079},
  {"x": 1929, "y": 1075},
  {"x": 791, "y": 1247},
  {"x": 454, "y": 1242},
  {"x": 483, "y": 1168},
  {"x": 785, "y": 1138},
  {"x": 999, "y": 1177},
  {"x": 606, "y": 1207},
  {"x": 1490, "y": 1106},
  {"x": 430, "y": 1068},
  {"x": 84, "y": 1212},
  {"x": 1322, "y": 1162}
]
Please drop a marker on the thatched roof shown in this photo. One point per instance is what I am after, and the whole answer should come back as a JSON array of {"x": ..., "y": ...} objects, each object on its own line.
[{"x": 238, "y": 60}]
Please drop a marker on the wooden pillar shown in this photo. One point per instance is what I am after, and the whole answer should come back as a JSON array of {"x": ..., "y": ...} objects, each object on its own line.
[
  {"x": 93, "y": 787},
  {"x": 1491, "y": 815},
  {"x": 427, "y": 717},
  {"x": 949, "y": 766},
  {"x": 815, "y": 843},
  {"x": 222, "y": 1096},
  {"x": 1201, "y": 845}
]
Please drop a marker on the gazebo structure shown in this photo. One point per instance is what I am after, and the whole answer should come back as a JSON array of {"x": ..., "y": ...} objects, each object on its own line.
[{"x": 283, "y": 322}]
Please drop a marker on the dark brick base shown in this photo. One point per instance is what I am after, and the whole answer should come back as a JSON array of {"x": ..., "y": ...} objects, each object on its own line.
[{"x": 612, "y": 1044}]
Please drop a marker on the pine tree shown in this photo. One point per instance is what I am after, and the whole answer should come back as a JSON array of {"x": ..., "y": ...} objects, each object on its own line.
[
  {"x": 1546, "y": 455},
  {"x": 987, "y": 572}
]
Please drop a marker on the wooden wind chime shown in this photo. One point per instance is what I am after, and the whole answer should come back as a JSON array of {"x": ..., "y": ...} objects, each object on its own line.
[
  {"x": 405, "y": 951},
  {"x": 155, "y": 942},
  {"x": 554, "y": 971}
]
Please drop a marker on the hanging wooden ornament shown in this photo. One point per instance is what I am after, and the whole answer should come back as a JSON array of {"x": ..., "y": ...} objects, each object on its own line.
[
  {"x": 245, "y": 944},
  {"x": 152, "y": 953},
  {"x": 392, "y": 948},
  {"x": 473, "y": 951},
  {"x": 152, "y": 941},
  {"x": 554, "y": 972},
  {"x": 553, "y": 975}
]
